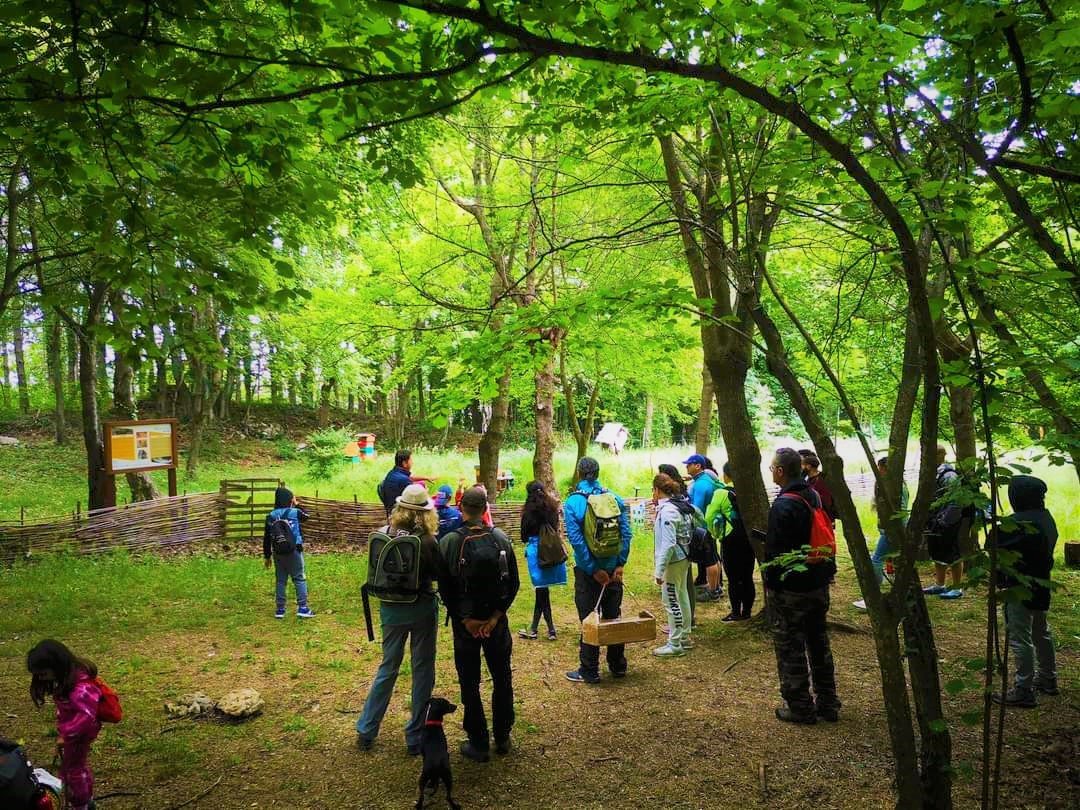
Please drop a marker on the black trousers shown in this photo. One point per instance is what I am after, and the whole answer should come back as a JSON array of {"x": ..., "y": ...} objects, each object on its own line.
[
  {"x": 586, "y": 593},
  {"x": 739, "y": 563},
  {"x": 800, "y": 636},
  {"x": 496, "y": 650},
  {"x": 542, "y": 607}
]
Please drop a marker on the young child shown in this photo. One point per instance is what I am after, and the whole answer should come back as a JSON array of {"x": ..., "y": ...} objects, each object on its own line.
[
  {"x": 56, "y": 672},
  {"x": 286, "y": 508}
]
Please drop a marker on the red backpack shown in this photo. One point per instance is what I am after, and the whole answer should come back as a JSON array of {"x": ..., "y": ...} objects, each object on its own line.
[
  {"x": 822, "y": 534},
  {"x": 109, "y": 710}
]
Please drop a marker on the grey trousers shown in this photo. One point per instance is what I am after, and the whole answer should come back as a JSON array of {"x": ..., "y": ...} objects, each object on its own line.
[{"x": 1030, "y": 641}]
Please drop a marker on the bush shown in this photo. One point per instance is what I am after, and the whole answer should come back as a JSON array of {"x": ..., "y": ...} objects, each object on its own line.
[
  {"x": 325, "y": 456},
  {"x": 286, "y": 450}
]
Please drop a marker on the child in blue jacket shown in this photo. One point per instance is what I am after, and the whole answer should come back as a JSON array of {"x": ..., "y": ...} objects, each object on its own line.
[{"x": 287, "y": 566}]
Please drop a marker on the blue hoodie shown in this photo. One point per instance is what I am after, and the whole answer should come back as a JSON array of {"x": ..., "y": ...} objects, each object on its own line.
[{"x": 574, "y": 519}]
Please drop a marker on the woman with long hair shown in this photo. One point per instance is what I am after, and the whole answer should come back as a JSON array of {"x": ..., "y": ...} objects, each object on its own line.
[
  {"x": 413, "y": 514},
  {"x": 540, "y": 517}
]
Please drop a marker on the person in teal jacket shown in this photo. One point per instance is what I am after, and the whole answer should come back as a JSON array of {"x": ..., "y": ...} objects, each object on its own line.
[{"x": 596, "y": 579}]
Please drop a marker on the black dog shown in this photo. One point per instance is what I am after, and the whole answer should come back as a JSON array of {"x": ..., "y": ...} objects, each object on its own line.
[{"x": 436, "y": 755}]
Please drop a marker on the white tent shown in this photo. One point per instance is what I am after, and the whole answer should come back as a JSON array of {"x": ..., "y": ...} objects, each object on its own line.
[{"x": 613, "y": 436}]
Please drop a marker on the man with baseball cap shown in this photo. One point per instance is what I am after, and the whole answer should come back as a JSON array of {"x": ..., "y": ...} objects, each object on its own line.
[{"x": 449, "y": 515}]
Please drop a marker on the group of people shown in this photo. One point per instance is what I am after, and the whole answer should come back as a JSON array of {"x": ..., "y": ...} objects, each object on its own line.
[{"x": 470, "y": 565}]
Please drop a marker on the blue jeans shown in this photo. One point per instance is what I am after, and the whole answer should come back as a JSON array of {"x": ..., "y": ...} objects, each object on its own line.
[
  {"x": 881, "y": 551},
  {"x": 420, "y": 624},
  {"x": 290, "y": 565}
]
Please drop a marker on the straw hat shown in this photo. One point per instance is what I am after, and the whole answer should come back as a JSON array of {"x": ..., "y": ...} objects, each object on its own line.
[{"x": 415, "y": 497}]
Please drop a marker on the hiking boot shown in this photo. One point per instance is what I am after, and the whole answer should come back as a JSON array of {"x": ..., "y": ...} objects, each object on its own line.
[
  {"x": 618, "y": 673},
  {"x": 577, "y": 676},
  {"x": 1047, "y": 688},
  {"x": 859, "y": 604},
  {"x": 470, "y": 751},
  {"x": 364, "y": 743},
  {"x": 668, "y": 651},
  {"x": 788, "y": 716},
  {"x": 829, "y": 713},
  {"x": 1019, "y": 699},
  {"x": 934, "y": 590},
  {"x": 279, "y": 613},
  {"x": 731, "y": 617},
  {"x": 503, "y": 747},
  {"x": 551, "y": 635},
  {"x": 414, "y": 750},
  {"x": 528, "y": 635},
  {"x": 305, "y": 613},
  {"x": 955, "y": 593}
]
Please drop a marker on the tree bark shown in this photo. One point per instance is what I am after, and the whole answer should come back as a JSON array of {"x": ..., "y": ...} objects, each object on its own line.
[
  {"x": 492, "y": 440},
  {"x": 701, "y": 436},
  {"x": 5, "y": 369},
  {"x": 650, "y": 416},
  {"x": 323, "y": 416},
  {"x": 544, "y": 453},
  {"x": 139, "y": 484},
  {"x": 20, "y": 362}
]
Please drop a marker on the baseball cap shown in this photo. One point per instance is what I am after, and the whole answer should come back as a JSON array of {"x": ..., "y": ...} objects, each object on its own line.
[{"x": 697, "y": 458}]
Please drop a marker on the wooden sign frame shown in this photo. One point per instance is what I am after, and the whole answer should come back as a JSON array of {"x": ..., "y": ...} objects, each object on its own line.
[{"x": 108, "y": 426}]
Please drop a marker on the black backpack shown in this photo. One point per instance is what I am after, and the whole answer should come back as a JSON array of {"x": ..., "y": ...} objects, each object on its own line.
[
  {"x": 18, "y": 789},
  {"x": 282, "y": 537},
  {"x": 481, "y": 567},
  {"x": 700, "y": 546},
  {"x": 394, "y": 564}
]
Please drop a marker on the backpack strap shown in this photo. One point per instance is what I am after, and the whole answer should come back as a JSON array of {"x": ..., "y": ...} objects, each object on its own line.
[{"x": 795, "y": 497}]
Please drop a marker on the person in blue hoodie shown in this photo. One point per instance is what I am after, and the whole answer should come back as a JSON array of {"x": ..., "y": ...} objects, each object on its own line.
[
  {"x": 596, "y": 579},
  {"x": 287, "y": 566}
]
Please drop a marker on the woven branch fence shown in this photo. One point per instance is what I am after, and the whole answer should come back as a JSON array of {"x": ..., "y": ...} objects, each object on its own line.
[{"x": 235, "y": 514}]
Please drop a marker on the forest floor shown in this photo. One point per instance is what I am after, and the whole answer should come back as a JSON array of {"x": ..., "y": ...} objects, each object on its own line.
[{"x": 688, "y": 733}]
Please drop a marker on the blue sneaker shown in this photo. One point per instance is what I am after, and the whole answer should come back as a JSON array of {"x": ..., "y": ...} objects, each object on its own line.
[
  {"x": 934, "y": 590},
  {"x": 955, "y": 593},
  {"x": 279, "y": 613},
  {"x": 305, "y": 613},
  {"x": 577, "y": 676}
]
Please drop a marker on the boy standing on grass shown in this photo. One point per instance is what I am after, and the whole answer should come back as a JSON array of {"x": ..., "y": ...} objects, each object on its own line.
[{"x": 284, "y": 542}]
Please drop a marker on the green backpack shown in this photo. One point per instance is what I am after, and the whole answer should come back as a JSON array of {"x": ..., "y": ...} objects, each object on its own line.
[
  {"x": 602, "y": 514},
  {"x": 393, "y": 572}
]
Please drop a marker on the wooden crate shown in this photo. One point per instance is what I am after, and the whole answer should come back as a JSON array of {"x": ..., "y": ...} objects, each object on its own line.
[{"x": 624, "y": 630}]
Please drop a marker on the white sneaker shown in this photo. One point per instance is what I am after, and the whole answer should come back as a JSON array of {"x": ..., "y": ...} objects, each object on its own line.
[
  {"x": 860, "y": 604},
  {"x": 667, "y": 651}
]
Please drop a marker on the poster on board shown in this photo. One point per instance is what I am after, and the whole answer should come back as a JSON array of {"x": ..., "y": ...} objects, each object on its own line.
[{"x": 138, "y": 446}]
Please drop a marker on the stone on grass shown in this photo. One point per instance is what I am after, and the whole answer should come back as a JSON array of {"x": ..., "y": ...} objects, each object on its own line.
[
  {"x": 10, "y": 441},
  {"x": 240, "y": 703},
  {"x": 195, "y": 704}
]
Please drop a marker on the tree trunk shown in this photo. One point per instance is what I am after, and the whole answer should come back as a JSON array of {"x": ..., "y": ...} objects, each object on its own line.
[
  {"x": 544, "y": 454},
  {"x": 98, "y": 488},
  {"x": 307, "y": 382},
  {"x": 492, "y": 440},
  {"x": 140, "y": 484},
  {"x": 5, "y": 369},
  {"x": 275, "y": 378},
  {"x": 650, "y": 415},
  {"x": 421, "y": 400},
  {"x": 102, "y": 375},
  {"x": 72, "y": 357},
  {"x": 351, "y": 401},
  {"x": 54, "y": 349},
  {"x": 323, "y": 416},
  {"x": 20, "y": 362},
  {"x": 701, "y": 436},
  {"x": 162, "y": 382}
]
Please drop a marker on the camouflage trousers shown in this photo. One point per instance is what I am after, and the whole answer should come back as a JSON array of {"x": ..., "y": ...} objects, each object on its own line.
[{"x": 802, "y": 649}]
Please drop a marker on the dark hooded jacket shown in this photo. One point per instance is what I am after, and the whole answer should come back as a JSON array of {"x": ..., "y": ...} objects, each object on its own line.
[{"x": 1031, "y": 533}]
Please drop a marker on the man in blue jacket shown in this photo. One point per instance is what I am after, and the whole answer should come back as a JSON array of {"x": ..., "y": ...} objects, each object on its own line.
[{"x": 596, "y": 579}]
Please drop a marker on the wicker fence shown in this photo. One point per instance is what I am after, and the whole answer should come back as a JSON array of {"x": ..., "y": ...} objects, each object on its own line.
[
  {"x": 236, "y": 515},
  {"x": 145, "y": 525}
]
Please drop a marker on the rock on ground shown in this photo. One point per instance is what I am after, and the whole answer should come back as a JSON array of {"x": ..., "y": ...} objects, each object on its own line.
[{"x": 240, "y": 703}]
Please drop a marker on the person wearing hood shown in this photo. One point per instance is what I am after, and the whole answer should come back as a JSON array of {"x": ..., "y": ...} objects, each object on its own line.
[
  {"x": 287, "y": 566},
  {"x": 1031, "y": 534}
]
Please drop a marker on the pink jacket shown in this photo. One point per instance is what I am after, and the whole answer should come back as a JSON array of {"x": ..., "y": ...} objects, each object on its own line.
[{"x": 76, "y": 714}]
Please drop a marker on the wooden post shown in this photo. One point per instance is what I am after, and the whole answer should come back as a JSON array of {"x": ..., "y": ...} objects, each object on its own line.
[
  {"x": 1072, "y": 555},
  {"x": 172, "y": 482},
  {"x": 22, "y": 514}
]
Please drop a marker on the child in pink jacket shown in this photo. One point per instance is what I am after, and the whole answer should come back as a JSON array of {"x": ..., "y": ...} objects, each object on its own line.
[{"x": 58, "y": 673}]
